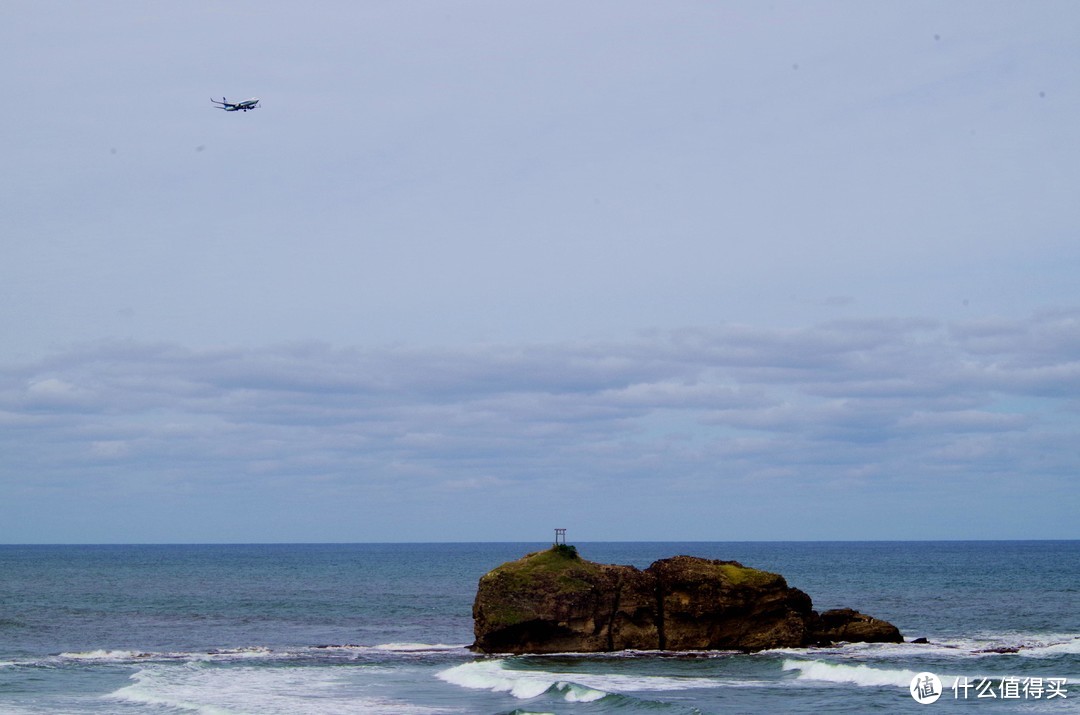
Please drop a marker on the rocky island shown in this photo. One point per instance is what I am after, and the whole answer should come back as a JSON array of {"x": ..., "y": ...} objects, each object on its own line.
[{"x": 554, "y": 601}]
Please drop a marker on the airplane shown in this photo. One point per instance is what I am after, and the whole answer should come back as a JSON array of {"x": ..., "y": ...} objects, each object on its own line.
[{"x": 228, "y": 106}]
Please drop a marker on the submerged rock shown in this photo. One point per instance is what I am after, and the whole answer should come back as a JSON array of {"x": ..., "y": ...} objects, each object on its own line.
[{"x": 554, "y": 601}]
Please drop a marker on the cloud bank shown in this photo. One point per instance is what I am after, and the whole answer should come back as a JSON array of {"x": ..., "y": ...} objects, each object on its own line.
[{"x": 892, "y": 428}]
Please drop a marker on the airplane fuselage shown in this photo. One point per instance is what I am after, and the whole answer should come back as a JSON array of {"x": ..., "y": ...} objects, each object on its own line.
[{"x": 247, "y": 104}]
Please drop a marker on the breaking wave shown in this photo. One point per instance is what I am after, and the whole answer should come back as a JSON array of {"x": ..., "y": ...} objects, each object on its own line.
[
  {"x": 861, "y": 675},
  {"x": 494, "y": 675}
]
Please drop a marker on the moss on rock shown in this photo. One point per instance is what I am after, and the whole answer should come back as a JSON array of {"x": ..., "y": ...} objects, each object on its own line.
[
  {"x": 553, "y": 566},
  {"x": 739, "y": 575}
]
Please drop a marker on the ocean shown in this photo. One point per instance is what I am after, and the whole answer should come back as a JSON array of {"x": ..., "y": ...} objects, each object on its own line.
[{"x": 384, "y": 629}]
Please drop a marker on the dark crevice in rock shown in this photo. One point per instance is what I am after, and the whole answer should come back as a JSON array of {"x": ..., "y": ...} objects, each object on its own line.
[
  {"x": 613, "y": 613},
  {"x": 661, "y": 636}
]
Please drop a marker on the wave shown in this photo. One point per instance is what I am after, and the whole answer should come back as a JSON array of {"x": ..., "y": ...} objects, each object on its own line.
[
  {"x": 250, "y": 653},
  {"x": 494, "y": 675},
  {"x": 419, "y": 648},
  {"x": 861, "y": 675},
  {"x": 1069, "y": 647},
  {"x": 130, "y": 656},
  {"x": 246, "y": 689},
  {"x": 870, "y": 677},
  {"x": 145, "y": 692},
  {"x": 115, "y": 656},
  {"x": 989, "y": 644},
  {"x": 979, "y": 646}
]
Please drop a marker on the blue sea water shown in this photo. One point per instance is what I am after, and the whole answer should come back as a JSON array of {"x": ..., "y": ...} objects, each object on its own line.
[{"x": 383, "y": 629}]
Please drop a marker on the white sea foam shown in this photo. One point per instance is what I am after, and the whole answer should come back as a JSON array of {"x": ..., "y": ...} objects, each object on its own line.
[
  {"x": 257, "y": 653},
  {"x": 866, "y": 676},
  {"x": 106, "y": 655},
  {"x": 242, "y": 690},
  {"x": 874, "y": 651},
  {"x": 418, "y": 647},
  {"x": 143, "y": 693},
  {"x": 861, "y": 675},
  {"x": 979, "y": 645},
  {"x": 230, "y": 654},
  {"x": 129, "y": 656},
  {"x": 995, "y": 644},
  {"x": 1052, "y": 647},
  {"x": 575, "y": 687}
]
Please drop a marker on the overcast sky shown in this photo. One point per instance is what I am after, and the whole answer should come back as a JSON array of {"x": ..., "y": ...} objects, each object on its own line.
[{"x": 475, "y": 270}]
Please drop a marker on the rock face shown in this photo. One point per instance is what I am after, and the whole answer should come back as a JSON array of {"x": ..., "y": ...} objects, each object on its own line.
[
  {"x": 554, "y": 601},
  {"x": 844, "y": 624}
]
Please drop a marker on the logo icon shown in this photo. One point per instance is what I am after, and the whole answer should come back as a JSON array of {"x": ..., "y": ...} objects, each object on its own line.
[{"x": 925, "y": 688}]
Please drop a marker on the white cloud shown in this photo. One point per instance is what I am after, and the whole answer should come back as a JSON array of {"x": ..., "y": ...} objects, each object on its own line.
[
  {"x": 880, "y": 406},
  {"x": 54, "y": 392}
]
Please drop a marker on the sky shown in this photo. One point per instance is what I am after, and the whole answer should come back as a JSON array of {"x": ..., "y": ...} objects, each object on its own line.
[{"x": 701, "y": 271}]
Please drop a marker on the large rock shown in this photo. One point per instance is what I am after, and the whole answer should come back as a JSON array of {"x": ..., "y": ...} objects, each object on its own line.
[
  {"x": 554, "y": 601},
  {"x": 723, "y": 605},
  {"x": 844, "y": 624}
]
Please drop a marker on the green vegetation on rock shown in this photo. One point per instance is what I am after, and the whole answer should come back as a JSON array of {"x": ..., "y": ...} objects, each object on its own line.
[
  {"x": 739, "y": 575},
  {"x": 731, "y": 573},
  {"x": 554, "y": 574},
  {"x": 567, "y": 550},
  {"x": 559, "y": 564}
]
